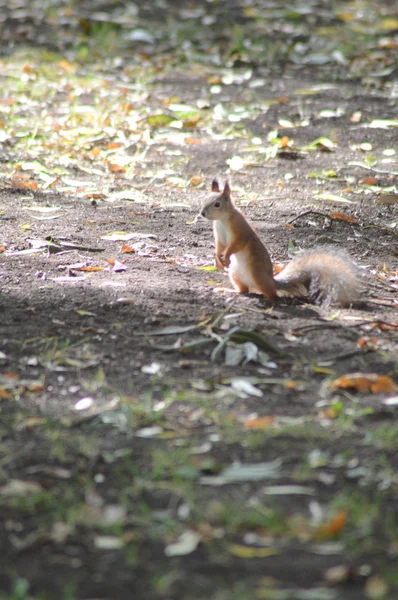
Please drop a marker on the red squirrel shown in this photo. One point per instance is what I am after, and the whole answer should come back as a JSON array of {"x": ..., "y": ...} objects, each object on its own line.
[{"x": 325, "y": 274}]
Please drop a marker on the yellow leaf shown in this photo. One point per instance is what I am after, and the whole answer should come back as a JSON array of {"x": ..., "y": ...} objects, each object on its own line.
[
  {"x": 251, "y": 551},
  {"x": 26, "y": 226}
]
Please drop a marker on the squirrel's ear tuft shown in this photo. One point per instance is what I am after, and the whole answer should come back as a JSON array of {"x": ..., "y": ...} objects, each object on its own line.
[
  {"x": 227, "y": 189},
  {"x": 215, "y": 186}
]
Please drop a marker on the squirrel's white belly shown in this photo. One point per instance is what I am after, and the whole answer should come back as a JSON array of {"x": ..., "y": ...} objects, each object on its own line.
[
  {"x": 223, "y": 233},
  {"x": 240, "y": 268}
]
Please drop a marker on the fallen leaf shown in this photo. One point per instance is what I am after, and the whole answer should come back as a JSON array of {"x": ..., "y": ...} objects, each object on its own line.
[
  {"x": 10, "y": 375},
  {"x": 207, "y": 268},
  {"x": 192, "y": 141},
  {"x": 124, "y": 236},
  {"x": 151, "y": 369},
  {"x": 288, "y": 490},
  {"x": 84, "y": 403},
  {"x": 259, "y": 422},
  {"x": 185, "y": 544},
  {"x": 251, "y": 551},
  {"x": 108, "y": 542},
  {"x": 115, "y": 168},
  {"x": 88, "y": 269},
  {"x": 66, "y": 66},
  {"x": 387, "y": 199},
  {"x": 126, "y": 249},
  {"x": 240, "y": 472},
  {"x": 18, "y": 487},
  {"x": 284, "y": 142},
  {"x": 334, "y": 526},
  {"x": 169, "y": 330},
  {"x": 235, "y": 163},
  {"x": 241, "y": 384},
  {"x": 376, "y": 588},
  {"x": 334, "y": 198},
  {"x": 365, "y": 382},
  {"x": 343, "y": 217}
]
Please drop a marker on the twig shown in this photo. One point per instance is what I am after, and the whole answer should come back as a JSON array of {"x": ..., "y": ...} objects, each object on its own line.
[
  {"x": 347, "y": 355},
  {"x": 307, "y": 328},
  {"x": 368, "y": 168},
  {"x": 310, "y": 212},
  {"x": 387, "y": 229}
]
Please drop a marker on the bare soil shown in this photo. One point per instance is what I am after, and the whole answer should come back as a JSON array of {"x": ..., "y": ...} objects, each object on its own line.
[{"x": 68, "y": 334}]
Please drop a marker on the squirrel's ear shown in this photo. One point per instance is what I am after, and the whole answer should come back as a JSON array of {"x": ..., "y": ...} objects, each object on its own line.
[
  {"x": 227, "y": 189},
  {"x": 215, "y": 186}
]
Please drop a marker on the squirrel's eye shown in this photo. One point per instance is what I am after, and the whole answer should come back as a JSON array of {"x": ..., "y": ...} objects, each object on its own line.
[{"x": 217, "y": 204}]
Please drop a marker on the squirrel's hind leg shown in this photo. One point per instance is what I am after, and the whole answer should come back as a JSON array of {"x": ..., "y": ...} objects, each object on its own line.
[
  {"x": 264, "y": 284},
  {"x": 239, "y": 286}
]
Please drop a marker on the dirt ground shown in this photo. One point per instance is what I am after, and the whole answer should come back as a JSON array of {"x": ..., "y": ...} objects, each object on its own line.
[{"x": 115, "y": 433}]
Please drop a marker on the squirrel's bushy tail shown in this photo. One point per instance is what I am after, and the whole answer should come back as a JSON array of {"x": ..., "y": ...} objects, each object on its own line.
[{"x": 325, "y": 274}]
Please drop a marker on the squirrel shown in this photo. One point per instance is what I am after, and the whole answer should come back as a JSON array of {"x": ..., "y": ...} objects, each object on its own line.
[{"x": 324, "y": 274}]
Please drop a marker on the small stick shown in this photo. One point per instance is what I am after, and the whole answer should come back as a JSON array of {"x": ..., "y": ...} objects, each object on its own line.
[{"x": 311, "y": 212}]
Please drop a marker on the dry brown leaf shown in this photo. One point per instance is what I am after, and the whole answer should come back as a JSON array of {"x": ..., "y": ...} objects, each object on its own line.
[
  {"x": 259, "y": 422},
  {"x": 367, "y": 342},
  {"x": 388, "y": 43},
  {"x": 284, "y": 142},
  {"x": 192, "y": 141},
  {"x": 196, "y": 179},
  {"x": 192, "y": 122},
  {"x": 66, "y": 66},
  {"x": 329, "y": 413},
  {"x": 2, "y": 248},
  {"x": 10, "y": 375},
  {"x": 24, "y": 185},
  {"x": 365, "y": 382},
  {"x": 343, "y": 217},
  {"x": 95, "y": 196},
  {"x": 4, "y": 394},
  {"x": 387, "y": 199},
  {"x": 369, "y": 180},
  {"x": 114, "y": 168},
  {"x": 111, "y": 261},
  {"x": 90, "y": 269},
  {"x": 94, "y": 152},
  {"x": 171, "y": 100},
  {"x": 334, "y": 526},
  {"x": 386, "y": 326},
  {"x": 290, "y": 385},
  {"x": 36, "y": 387},
  {"x": 383, "y": 385},
  {"x": 126, "y": 249}
]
